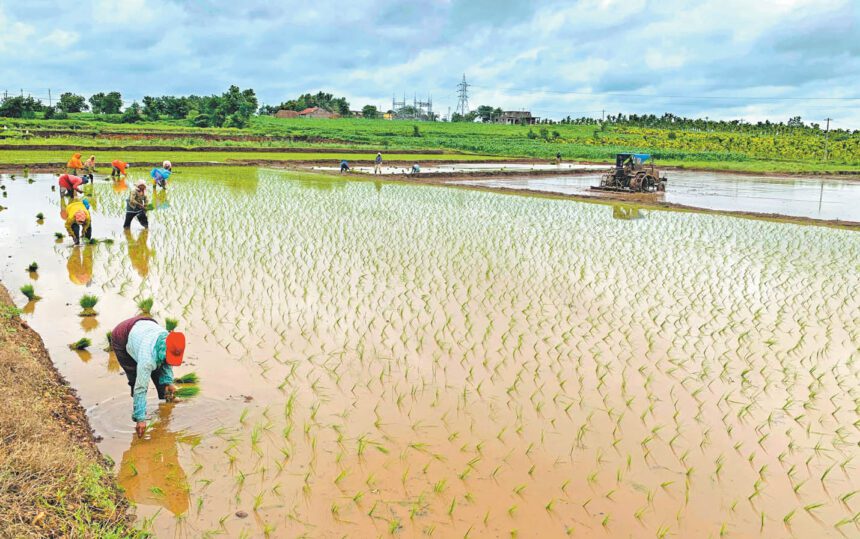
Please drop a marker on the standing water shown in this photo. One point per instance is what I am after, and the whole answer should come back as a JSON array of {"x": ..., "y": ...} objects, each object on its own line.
[{"x": 383, "y": 358}]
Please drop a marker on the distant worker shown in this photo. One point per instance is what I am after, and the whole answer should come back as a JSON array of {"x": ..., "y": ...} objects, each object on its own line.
[
  {"x": 90, "y": 165},
  {"x": 344, "y": 166},
  {"x": 416, "y": 170},
  {"x": 145, "y": 351},
  {"x": 69, "y": 185},
  {"x": 119, "y": 168},
  {"x": 74, "y": 164},
  {"x": 377, "y": 164},
  {"x": 78, "y": 221},
  {"x": 160, "y": 175},
  {"x": 136, "y": 206},
  {"x": 558, "y": 158}
]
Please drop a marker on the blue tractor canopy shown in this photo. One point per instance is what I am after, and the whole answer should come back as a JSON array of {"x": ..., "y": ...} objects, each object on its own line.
[{"x": 635, "y": 158}]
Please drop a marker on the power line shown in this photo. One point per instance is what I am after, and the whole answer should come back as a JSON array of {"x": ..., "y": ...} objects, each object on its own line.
[{"x": 463, "y": 97}]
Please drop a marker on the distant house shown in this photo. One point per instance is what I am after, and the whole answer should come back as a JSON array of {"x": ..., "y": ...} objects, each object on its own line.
[
  {"x": 388, "y": 115},
  {"x": 517, "y": 117},
  {"x": 283, "y": 113},
  {"x": 317, "y": 112}
]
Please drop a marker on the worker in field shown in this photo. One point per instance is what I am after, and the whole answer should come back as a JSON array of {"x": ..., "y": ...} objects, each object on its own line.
[
  {"x": 119, "y": 168},
  {"x": 160, "y": 175},
  {"x": 145, "y": 351},
  {"x": 377, "y": 164},
  {"x": 136, "y": 206},
  {"x": 344, "y": 166},
  {"x": 90, "y": 165},
  {"x": 557, "y": 158},
  {"x": 78, "y": 221},
  {"x": 416, "y": 170},
  {"x": 74, "y": 164},
  {"x": 69, "y": 185}
]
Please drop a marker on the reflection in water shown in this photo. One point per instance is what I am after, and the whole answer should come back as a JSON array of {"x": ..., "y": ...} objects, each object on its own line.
[
  {"x": 89, "y": 323},
  {"x": 119, "y": 186},
  {"x": 84, "y": 355},
  {"x": 113, "y": 363},
  {"x": 159, "y": 200},
  {"x": 80, "y": 265},
  {"x": 138, "y": 251},
  {"x": 150, "y": 472},
  {"x": 30, "y": 307},
  {"x": 627, "y": 212}
]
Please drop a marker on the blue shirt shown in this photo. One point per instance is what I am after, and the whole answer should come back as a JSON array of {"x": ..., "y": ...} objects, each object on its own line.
[
  {"x": 147, "y": 345},
  {"x": 160, "y": 174}
]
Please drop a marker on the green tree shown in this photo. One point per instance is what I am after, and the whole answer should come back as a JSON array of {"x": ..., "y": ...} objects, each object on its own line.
[
  {"x": 132, "y": 114},
  {"x": 70, "y": 102},
  {"x": 20, "y": 107},
  {"x": 487, "y": 113},
  {"x": 370, "y": 112},
  {"x": 109, "y": 103}
]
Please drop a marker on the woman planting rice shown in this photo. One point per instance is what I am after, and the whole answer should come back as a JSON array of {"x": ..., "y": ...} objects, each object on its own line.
[
  {"x": 160, "y": 175},
  {"x": 78, "y": 222},
  {"x": 136, "y": 206}
]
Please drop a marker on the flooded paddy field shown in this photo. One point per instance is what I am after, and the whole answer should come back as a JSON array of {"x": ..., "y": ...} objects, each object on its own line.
[
  {"x": 825, "y": 198},
  {"x": 418, "y": 360},
  {"x": 473, "y": 168}
]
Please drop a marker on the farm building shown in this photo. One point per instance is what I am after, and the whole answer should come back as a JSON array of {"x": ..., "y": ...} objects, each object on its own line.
[
  {"x": 317, "y": 112},
  {"x": 283, "y": 113},
  {"x": 514, "y": 117}
]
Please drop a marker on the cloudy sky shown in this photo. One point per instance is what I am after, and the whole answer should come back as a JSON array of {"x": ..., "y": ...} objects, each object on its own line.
[{"x": 750, "y": 59}]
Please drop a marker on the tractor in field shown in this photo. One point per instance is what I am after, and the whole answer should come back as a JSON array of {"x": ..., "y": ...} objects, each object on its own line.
[{"x": 632, "y": 174}]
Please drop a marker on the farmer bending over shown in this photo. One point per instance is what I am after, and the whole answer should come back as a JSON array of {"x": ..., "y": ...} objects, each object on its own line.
[
  {"x": 416, "y": 170},
  {"x": 344, "y": 166},
  {"x": 69, "y": 185},
  {"x": 90, "y": 165},
  {"x": 119, "y": 168},
  {"x": 136, "y": 206},
  {"x": 147, "y": 351},
  {"x": 78, "y": 222},
  {"x": 160, "y": 175}
]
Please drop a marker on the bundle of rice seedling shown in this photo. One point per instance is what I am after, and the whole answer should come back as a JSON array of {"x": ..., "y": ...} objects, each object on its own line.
[
  {"x": 87, "y": 302},
  {"x": 81, "y": 344},
  {"x": 145, "y": 305},
  {"x": 29, "y": 291}
]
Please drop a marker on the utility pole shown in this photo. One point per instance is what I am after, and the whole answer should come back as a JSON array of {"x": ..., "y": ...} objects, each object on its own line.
[
  {"x": 49, "y": 97},
  {"x": 602, "y": 115},
  {"x": 826, "y": 137}
]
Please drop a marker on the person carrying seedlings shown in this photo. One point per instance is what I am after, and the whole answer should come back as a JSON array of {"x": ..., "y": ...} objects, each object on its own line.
[
  {"x": 344, "y": 166},
  {"x": 78, "y": 222},
  {"x": 145, "y": 351},
  {"x": 69, "y": 185},
  {"x": 377, "y": 164},
  {"x": 119, "y": 168},
  {"x": 74, "y": 164},
  {"x": 160, "y": 175},
  {"x": 136, "y": 206}
]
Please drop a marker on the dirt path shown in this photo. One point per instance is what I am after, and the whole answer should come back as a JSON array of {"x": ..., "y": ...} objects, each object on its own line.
[{"x": 53, "y": 480}]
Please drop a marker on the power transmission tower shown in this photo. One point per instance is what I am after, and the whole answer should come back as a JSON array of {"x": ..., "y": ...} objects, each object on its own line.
[
  {"x": 463, "y": 97},
  {"x": 826, "y": 137}
]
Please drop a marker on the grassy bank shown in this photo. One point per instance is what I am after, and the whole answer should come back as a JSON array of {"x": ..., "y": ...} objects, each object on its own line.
[{"x": 53, "y": 480}]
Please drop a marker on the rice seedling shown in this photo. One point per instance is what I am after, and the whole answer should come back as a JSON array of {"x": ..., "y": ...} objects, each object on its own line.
[
  {"x": 170, "y": 324},
  {"x": 33, "y": 267},
  {"x": 40, "y": 216},
  {"x": 59, "y": 236},
  {"x": 189, "y": 378},
  {"x": 87, "y": 303},
  {"x": 145, "y": 305},
  {"x": 187, "y": 392},
  {"x": 29, "y": 292}
]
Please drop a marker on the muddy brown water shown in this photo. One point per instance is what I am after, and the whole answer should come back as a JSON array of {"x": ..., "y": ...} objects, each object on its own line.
[
  {"x": 386, "y": 358},
  {"x": 826, "y": 198}
]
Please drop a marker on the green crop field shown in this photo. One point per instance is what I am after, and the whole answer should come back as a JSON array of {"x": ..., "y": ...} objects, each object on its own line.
[{"x": 792, "y": 150}]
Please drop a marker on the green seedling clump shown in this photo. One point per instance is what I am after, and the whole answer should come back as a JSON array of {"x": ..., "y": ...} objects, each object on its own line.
[
  {"x": 187, "y": 392},
  {"x": 40, "y": 216},
  {"x": 145, "y": 305},
  {"x": 87, "y": 302},
  {"x": 33, "y": 267},
  {"x": 108, "y": 347},
  {"x": 190, "y": 378},
  {"x": 171, "y": 323},
  {"x": 59, "y": 235},
  {"x": 81, "y": 344},
  {"x": 29, "y": 291}
]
